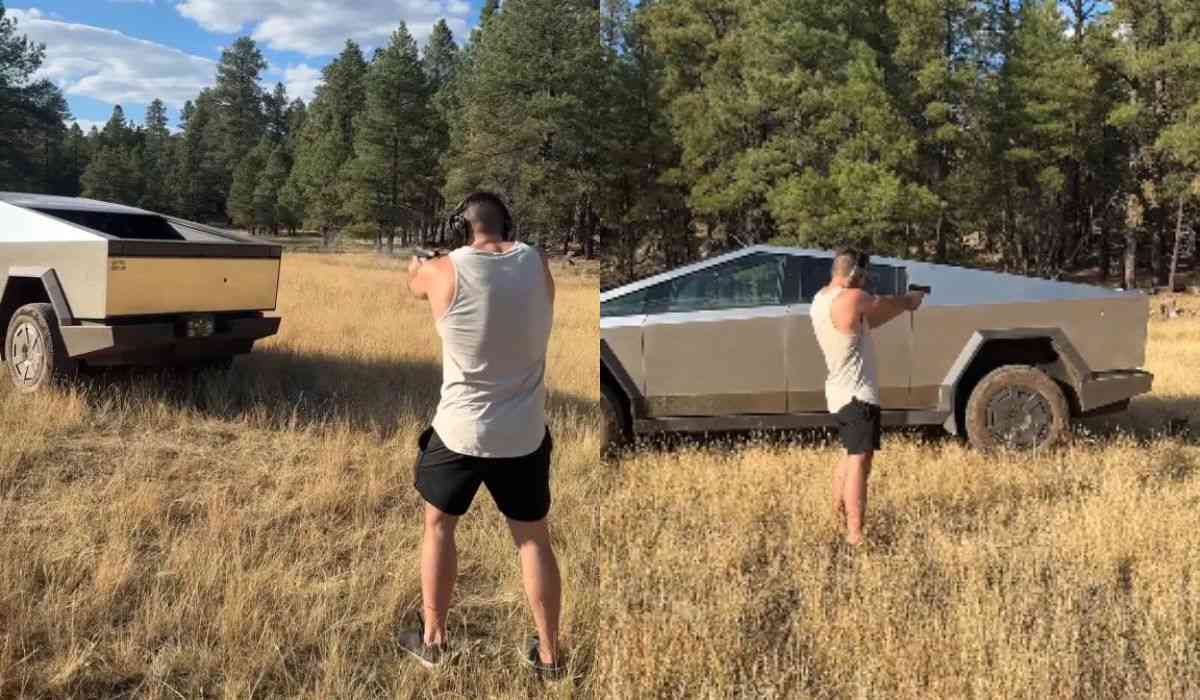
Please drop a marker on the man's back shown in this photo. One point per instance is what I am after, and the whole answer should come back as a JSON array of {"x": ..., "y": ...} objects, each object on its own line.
[
  {"x": 494, "y": 333},
  {"x": 849, "y": 356}
]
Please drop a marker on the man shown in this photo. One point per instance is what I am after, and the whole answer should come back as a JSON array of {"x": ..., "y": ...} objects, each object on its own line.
[
  {"x": 843, "y": 315},
  {"x": 492, "y": 303}
]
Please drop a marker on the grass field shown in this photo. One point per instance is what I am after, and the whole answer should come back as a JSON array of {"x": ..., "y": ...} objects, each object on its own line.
[
  {"x": 1066, "y": 575},
  {"x": 255, "y": 534}
]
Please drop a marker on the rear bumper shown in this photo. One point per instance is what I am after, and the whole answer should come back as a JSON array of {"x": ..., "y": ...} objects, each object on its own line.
[
  {"x": 164, "y": 342},
  {"x": 1107, "y": 388}
]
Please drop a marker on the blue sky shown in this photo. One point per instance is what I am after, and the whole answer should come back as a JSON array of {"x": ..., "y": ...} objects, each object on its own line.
[{"x": 127, "y": 52}]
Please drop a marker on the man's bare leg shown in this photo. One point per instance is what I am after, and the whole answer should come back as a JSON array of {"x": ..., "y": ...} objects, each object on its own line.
[
  {"x": 858, "y": 470},
  {"x": 439, "y": 567},
  {"x": 543, "y": 587},
  {"x": 839, "y": 480}
]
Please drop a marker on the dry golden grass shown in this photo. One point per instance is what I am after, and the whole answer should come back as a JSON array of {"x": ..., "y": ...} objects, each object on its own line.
[
  {"x": 256, "y": 534},
  {"x": 1066, "y": 575}
]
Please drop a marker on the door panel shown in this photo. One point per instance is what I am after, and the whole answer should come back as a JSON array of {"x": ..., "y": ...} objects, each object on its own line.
[
  {"x": 705, "y": 363},
  {"x": 805, "y": 364}
]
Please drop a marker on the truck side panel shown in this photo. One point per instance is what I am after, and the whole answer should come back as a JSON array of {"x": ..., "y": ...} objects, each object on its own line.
[{"x": 179, "y": 285}]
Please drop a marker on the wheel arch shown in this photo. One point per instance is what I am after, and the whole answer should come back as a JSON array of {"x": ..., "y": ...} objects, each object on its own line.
[
  {"x": 613, "y": 375},
  {"x": 1048, "y": 349},
  {"x": 32, "y": 285}
]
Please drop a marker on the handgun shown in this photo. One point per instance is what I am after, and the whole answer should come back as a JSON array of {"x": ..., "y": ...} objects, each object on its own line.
[
  {"x": 426, "y": 253},
  {"x": 927, "y": 289}
]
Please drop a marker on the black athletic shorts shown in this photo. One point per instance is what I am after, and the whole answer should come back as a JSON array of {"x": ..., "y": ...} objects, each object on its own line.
[
  {"x": 520, "y": 486},
  {"x": 859, "y": 426}
]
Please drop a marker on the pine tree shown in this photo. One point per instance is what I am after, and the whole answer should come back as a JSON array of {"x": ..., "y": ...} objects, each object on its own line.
[
  {"x": 242, "y": 206},
  {"x": 326, "y": 143},
  {"x": 116, "y": 131},
  {"x": 295, "y": 116},
  {"x": 238, "y": 97},
  {"x": 539, "y": 146},
  {"x": 31, "y": 113},
  {"x": 490, "y": 7},
  {"x": 275, "y": 111},
  {"x": 198, "y": 173},
  {"x": 268, "y": 210},
  {"x": 156, "y": 195},
  {"x": 394, "y": 163},
  {"x": 441, "y": 56},
  {"x": 786, "y": 123}
]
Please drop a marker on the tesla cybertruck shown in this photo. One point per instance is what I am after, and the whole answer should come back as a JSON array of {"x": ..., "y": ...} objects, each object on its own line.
[
  {"x": 727, "y": 345},
  {"x": 88, "y": 283}
]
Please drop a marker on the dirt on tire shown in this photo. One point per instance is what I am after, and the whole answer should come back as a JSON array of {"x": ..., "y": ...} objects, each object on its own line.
[{"x": 1049, "y": 415}]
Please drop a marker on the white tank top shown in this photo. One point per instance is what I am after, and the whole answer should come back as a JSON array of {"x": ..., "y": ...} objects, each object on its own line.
[
  {"x": 494, "y": 338},
  {"x": 849, "y": 357}
]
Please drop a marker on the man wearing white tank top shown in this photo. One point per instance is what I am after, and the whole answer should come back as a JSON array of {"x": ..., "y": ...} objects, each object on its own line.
[
  {"x": 492, "y": 302},
  {"x": 843, "y": 315}
]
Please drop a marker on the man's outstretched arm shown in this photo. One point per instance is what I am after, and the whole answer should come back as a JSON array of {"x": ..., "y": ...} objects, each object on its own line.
[
  {"x": 549, "y": 275},
  {"x": 418, "y": 283},
  {"x": 878, "y": 310}
]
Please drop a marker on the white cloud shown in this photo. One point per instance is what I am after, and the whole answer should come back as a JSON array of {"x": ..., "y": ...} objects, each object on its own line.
[
  {"x": 112, "y": 67},
  {"x": 301, "y": 81},
  {"x": 321, "y": 27},
  {"x": 87, "y": 124}
]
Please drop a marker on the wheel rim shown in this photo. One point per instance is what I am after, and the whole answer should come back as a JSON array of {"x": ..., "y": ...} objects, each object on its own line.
[
  {"x": 28, "y": 354},
  {"x": 1019, "y": 417}
]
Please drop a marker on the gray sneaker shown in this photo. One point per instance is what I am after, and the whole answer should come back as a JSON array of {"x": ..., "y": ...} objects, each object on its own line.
[{"x": 550, "y": 672}]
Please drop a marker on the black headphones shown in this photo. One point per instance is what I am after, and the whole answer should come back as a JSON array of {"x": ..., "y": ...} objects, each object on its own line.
[
  {"x": 458, "y": 221},
  {"x": 861, "y": 262}
]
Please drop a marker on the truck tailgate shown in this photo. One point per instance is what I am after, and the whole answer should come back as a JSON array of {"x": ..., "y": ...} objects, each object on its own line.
[{"x": 165, "y": 285}]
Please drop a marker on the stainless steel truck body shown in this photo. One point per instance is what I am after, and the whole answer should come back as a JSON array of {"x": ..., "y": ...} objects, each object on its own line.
[
  {"x": 728, "y": 344},
  {"x": 92, "y": 283}
]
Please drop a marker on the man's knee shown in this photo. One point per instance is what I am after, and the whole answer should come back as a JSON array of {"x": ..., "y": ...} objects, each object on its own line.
[
  {"x": 862, "y": 459},
  {"x": 439, "y": 523},
  {"x": 530, "y": 533}
]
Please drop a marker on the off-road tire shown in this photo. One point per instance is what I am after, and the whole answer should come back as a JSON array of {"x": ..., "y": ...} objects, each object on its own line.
[
  {"x": 614, "y": 431},
  {"x": 1017, "y": 407},
  {"x": 215, "y": 364},
  {"x": 34, "y": 351}
]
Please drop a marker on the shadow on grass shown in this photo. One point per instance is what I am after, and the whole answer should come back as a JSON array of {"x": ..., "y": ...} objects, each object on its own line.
[
  {"x": 1148, "y": 418},
  {"x": 287, "y": 389}
]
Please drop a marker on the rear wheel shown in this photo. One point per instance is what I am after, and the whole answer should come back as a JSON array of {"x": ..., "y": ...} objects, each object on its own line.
[
  {"x": 34, "y": 351},
  {"x": 1017, "y": 407},
  {"x": 613, "y": 430}
]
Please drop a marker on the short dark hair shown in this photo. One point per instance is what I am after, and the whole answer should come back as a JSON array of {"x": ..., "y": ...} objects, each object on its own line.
[
  {"x": 846, "y": 259},
  {"x": 488, "y": 210}
]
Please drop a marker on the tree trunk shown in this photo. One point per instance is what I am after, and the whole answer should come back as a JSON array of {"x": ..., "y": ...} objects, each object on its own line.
[
  {"x": 391, "y": 239},
  {"x": 1130, "y": 258},
  {"x": 1171, "y": 280},
  {"x": 940, "y": 236}
]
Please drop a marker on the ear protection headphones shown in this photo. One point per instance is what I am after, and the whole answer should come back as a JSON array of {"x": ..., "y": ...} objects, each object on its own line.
[
  {"x": 861, "y": 262},
  {"x": 458, "y": 221}
]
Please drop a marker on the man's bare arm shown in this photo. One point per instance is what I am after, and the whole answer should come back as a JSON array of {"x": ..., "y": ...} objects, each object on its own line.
[
  {"x": 549, "y": 276},
  {"x": 418, "y": 283},
  {"x": 878, "y": 310}
]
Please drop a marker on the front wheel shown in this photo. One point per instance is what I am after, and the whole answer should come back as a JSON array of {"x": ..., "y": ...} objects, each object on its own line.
[
  {"x": 34, "y": 351},
  {"x": 1017, "y": 407}
]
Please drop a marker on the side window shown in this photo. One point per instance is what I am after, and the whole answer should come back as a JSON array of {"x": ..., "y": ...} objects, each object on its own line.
[
  {"x": 628, "y": 305},
  {"x": 754, "y": 280},
  {"x": 815, "y": 274},
  {"x": 648, "y": 300},
  {"x": 883, "y": 279}
]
